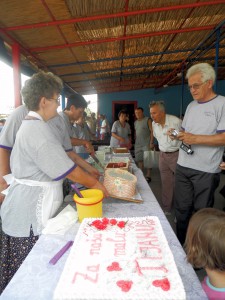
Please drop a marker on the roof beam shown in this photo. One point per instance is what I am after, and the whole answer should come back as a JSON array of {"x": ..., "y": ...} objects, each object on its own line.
[
  {"x": 123, "y": 38},
  {"x": 120, "y": 57},
  {"x": 121, "y": 76},
  {"x": 136, "y": 67},
  {"x": 60, "y": 31},
  {"x": 116, "y": 15},
  {"x": 125, "y": 82},
  {"x": 184, "y": 63}
]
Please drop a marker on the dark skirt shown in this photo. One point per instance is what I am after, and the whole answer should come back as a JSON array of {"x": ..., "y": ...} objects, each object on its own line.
[{"x": 13, "y": 252}]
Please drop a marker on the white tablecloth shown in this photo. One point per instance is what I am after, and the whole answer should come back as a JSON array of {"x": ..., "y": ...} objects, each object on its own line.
[{"x": 36, "y": 279}]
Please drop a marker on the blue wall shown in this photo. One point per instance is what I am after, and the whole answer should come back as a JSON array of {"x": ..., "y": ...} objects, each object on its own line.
[{"x": 172, "y": 96}]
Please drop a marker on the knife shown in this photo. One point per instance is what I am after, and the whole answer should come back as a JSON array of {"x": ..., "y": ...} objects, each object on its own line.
[
  {"x": 126, "y": 199},
  {"x": 97, "y": 160}
]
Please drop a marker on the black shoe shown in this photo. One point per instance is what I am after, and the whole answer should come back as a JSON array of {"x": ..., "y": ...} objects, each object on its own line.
[{"x": 148, "y": 179}]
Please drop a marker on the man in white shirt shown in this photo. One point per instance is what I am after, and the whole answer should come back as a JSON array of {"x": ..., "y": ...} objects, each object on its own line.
[
  {"x": 104, "y": 130},
  {"x": 169, "y": 150}
]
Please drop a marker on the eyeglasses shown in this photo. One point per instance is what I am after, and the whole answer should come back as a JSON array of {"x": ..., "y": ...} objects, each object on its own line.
[
  {"x": 196, "y": 86},
  {"x": 56, "y": 100}
]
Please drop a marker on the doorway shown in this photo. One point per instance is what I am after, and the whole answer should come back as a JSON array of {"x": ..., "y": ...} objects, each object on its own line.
[{"x": 129, "y": 107}]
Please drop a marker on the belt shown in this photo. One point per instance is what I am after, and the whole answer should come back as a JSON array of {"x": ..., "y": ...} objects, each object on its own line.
[{"x": 171, "y": 152}]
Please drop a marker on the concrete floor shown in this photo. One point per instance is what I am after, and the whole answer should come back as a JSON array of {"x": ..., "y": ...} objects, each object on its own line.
[{"x": 155, "y": 185}]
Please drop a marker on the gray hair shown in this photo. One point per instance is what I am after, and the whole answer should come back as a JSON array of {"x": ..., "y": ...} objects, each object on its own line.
[
  {"x": 40, "y": 85},
  {"x": 206, "y": 70},
  {"x": 160, "y": 104}
]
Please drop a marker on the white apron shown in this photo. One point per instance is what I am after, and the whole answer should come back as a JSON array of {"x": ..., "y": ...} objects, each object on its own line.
[{"x": 49, "y": 200}]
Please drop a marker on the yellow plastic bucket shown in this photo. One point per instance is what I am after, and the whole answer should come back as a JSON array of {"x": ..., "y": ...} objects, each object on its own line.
[{"x": 90, "y": 206}]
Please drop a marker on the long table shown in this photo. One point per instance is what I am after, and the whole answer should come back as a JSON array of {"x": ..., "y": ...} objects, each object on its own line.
[{"x": 36, "y": 279}]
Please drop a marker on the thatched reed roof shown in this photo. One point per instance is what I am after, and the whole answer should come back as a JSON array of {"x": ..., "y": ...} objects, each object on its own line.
[{"x": 100, "y": 46}]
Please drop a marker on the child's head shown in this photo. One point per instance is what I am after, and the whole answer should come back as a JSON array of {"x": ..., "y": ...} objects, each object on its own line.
[{"x": 205, "y": 240}]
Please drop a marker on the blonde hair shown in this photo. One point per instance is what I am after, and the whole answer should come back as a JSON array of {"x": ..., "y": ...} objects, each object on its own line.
[{"x": 205, "y": 240}]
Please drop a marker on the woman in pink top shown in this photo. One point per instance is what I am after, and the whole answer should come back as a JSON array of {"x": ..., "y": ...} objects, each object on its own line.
[{"x": 205, "y": 246}]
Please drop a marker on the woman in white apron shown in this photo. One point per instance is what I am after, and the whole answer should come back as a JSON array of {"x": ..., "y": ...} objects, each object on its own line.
[{"x": 39, "y": 164}]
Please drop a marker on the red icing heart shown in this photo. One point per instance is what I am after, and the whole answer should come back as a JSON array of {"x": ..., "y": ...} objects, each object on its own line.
[
  {"x": 124, "y": 285},
  {"x": 114, "y": 267},
  {"x": 121, "y": 224},
  {"x": 163, "y": 283}
]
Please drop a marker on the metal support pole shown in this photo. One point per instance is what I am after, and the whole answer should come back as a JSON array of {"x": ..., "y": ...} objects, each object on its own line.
[
  {"x": 182, "y": 92},
  {"x": 16, "y": 74},
  {"x": 217, "y": 56},
  {"x": 63, "y": 99}
]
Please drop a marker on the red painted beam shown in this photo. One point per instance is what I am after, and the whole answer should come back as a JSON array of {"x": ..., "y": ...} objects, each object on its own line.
[
  {"x": 36, "y": 61},
  {"x": 116, "y": 15},
  {"x": 122, "y": 38},
  {"x": 22, "y": 49},
  {"x": 60, "y": 31}
]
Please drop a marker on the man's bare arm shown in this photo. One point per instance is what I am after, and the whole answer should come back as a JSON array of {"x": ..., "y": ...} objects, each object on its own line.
[{"x": 81, "y": 142}]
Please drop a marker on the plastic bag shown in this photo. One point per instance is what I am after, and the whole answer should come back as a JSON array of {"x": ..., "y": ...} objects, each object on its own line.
[{"x": 151, "y": 159}]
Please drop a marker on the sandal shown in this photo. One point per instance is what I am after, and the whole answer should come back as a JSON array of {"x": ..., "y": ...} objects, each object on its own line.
[{"x": 148, "y": 179}]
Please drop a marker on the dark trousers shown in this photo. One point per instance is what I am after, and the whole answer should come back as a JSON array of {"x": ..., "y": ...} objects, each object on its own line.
[{"x": 193, "y": 190}]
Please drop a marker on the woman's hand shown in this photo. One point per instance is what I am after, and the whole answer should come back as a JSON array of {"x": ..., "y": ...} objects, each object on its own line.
[
  {"x": 98, "y": 185},
  {"x": 122, "y": 140}
]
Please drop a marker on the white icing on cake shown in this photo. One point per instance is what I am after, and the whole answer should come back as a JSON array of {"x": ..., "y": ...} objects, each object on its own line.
[
  {"x": 133, "y": 262},
  {"x": 120, "y": 182}
]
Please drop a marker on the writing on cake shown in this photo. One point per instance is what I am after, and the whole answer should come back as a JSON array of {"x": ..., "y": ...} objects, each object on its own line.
[{"x": 109, "y": 262}]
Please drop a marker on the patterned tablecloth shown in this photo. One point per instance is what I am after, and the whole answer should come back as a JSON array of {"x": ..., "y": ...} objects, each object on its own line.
[{"x": 36, "y": 279}]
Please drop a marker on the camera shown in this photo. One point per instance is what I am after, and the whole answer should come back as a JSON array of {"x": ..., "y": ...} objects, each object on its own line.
[
  {"x": 183, "y": 146},
  {"x": 174, "y": 132},
  {"x": 186, "y": 148}
]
